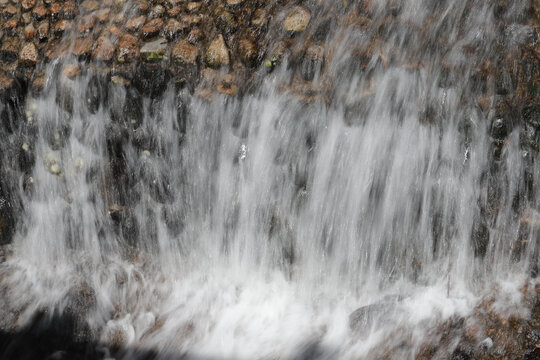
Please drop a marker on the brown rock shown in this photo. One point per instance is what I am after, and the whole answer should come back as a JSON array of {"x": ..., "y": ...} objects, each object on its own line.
[
  {"x": 185, "y": 53},
  {"x": 70, "y": 10},
  {"x": 217, "y": 54},
  {"x": 38, "y": 84},
  {"x": 193, "y": 6},
  {"x": 72, "y": 70},
  {"x": 195, "y": 35},
  {"x": 136, "y": 23},
  {"x": 174, "y": 3},
  {"x": 227, "y": 85},
  {"x": 10, "y": 49},
  {"x": 103, "y": 15},
  {"x": 248, "y": 52},
  {"x": 174, "y": 11},
  {"x": 28, "y": 55},
  {"x": 28, "y": 4},
  {"x": 56, "y": 10},
  {"x": 82, "y": 47},
  {"x": 234, "y": 3},
  {"x": 104, "y": 50},
  {"x": 157, "y": 12},
  {"x": 174, "y": 28},
  {"x": 43, "y": 31},
  {"x": 6, "y": 82},
  {"x": 192, "y": 19},
  {"x": 116, "y": 31},
  {"x": 9, "y": 11},
  {"x": 260, "y": 18},
  {"x": 297, "y": 20},
  {"x": 55, "y": 49},
  {"x": 61, "y": 27},
  {"x": 141, "y": 6},
  {"x": 225, "y": 21},
  {"x": 40, "y": 12},
  {"x": 29, "y": 31},
  {"x": 128, "y": 48},
  {"x": 89, "y": 6},
  {"x": 10, "y": 26},
  {"x": 86, "y": 23},
  {"x": 152, "y": 28}
]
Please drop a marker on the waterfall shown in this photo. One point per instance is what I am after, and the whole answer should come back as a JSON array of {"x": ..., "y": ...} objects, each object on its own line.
[{"x": 371, "y": 181}]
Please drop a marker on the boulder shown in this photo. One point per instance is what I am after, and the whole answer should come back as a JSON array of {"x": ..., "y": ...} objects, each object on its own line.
[
  {"x": 217, "y": 54},
  {"x": 28, "y": 55},
  {"x": 185, "y": 53},
  {"x": 128, "y": 48},
  {"x": 104, "y": 49},
  {"x": 297, "y": 20},
  {"x": 248, "y": 52}
]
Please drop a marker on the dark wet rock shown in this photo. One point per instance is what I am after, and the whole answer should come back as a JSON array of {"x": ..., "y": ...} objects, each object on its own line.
[
  {"x": 185, "y": 53},
  {"x": 480, "y": 237},
  {"x": 7, "y": 219},
  {"x": 312, "y": 62},
  {"x": 152, "y": 28},
  {"x": 153, "y": 51},
  {"x": 57, "y": 132},
  {"x": 96, "y": 92},
  {"x": 28, "y": 55},
  {"x": 151, "y": 79},
  {"x": 499, "y": 129},
  {"x": 9, "y": 51},
  {"x": 225, "y": 21},
  {"x": 297, "y": 20},
  {"x": 323, "y": 30},
  {"x": 217, "y": 54}
]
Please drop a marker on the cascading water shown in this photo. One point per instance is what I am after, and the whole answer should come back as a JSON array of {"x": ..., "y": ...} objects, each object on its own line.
[{"x": 252, "y": 226}]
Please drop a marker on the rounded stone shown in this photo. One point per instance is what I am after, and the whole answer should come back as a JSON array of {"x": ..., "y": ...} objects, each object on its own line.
[
  {"x": 152, "y": 28},
  {"x": 28, "y": 55},
  {"x": 185, "y": 53},
  {"x": 297, "y": 20},
  {"x": 248, "y": 52},
  {"x": 217, "y": 53},
  {"x": 104, "y": 49}
]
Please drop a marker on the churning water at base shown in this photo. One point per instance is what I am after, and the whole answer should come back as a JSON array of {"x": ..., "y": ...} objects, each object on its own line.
[{"x": 253, "y": 226}]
